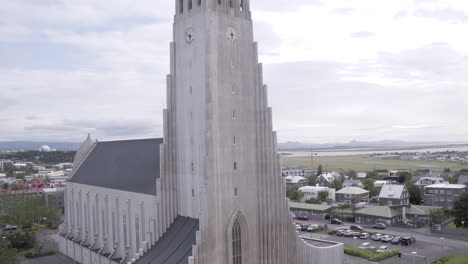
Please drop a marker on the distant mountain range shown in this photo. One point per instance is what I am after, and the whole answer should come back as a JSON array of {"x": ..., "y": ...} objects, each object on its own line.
[
  {"x": 362, "y": 144},
  {"x": 32, "y": 145}
]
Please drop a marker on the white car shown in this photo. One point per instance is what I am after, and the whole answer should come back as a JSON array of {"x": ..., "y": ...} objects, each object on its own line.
[
  {"x": 312, "y": 227},
  {"x": 365, "y": 245},
  {"x": 376, "y": 237},
  {"x": 298, "y": 227},
  {"x": 382, "y": 249}
]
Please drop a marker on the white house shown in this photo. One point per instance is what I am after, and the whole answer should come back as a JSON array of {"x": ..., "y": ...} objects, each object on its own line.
[{"x": 312, "y": 192}]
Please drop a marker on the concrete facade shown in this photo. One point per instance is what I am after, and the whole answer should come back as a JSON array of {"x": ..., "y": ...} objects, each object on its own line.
[
  {"x": 219, "y": 161},
  {"x": 443, "y": 195}
]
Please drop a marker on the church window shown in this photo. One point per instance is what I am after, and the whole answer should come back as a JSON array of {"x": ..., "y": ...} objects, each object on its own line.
[
  {"x": 190, "y": 4},
  {"x": 235, "y": 191},
  {"x": 181, "y": 6},
  {"x": 191, "y": 89},
  {"x": 236, "y": 243},
  {"x": 193, "y": 192},
  {"x": 241, "y": 5},
  {"x": 234, "y": 140},
  {"x": 191, "y": 115},
  {"x": 219, "y": 2},
  {"x": 199, "y": 2},
  {"x": 193, "y": 167},
  {"x": 230, "y": 4},
  {"x": 235, "y": 165},
  {"x": 234, "y": 114}
]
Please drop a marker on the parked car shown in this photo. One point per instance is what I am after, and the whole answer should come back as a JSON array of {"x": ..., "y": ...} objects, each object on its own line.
[
  {"x": 407, "y": 241},
  {"x": 10, "y": 228},
  {"x": 382, "y": 249},
  {"x": 364, "y": 236},
  {"x": 335, "y": 221},
  {"x": 356, "y": 234},
  {"x": 365, "y": 245},
  {"x": 304, "y": 228},
  {"x": 340, "y": 232},
  {"x": 376, "y": 237},
  {"x": 356, "y": 227},
  {"x": 298, "y": 227},
  {"x": 312, "y": 227},
  {"x": 386, "y": 238},
  {"x": 302, "y": 217},
  {"x": 347, "y": 233},
  {"x": 396, "y": 240},
  {"x": 372, "y": 248},
  {"x": 379, "y": 226}
]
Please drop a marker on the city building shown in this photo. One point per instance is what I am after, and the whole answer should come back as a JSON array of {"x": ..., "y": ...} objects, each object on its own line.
[
  {"x": 297, "y": 171},
  {"x": 392, "y": 194},
  {"x": 211, "y": 190},
  {"x": 425, "y": 181},
  {"x": 443, "y": 195},
  {"x": 352, "y": 195},
  {"x": 312, "y": 211},
  {"x": 312, "y": 192}
]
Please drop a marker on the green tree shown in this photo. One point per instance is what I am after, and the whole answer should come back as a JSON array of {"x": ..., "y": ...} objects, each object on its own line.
[
  {"x": 7, "y": 253},
  {"x": 294, "y": 194},
  {"x": 337, "y": 184},
  {"x": 319, "y": 170},
  {"x": 415, "y": 195},
  {"x": 372, "y": 175},
  {"x": 460, "y": 211},
  {"x": 322, "y": 196},
  {"x": 352, "y": 174},
  {"x": 406, "y": 175},
  {"x": 437, "y": 216},
  {"x": 369, "y": 185},
  {"x": 311, "y": 180}
]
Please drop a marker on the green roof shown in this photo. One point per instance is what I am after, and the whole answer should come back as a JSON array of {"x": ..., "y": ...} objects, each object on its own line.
[
  {"x": 310, "y": 207},
  {"x": 378, "y": 211},
  {"x": 421, "y": 210}
]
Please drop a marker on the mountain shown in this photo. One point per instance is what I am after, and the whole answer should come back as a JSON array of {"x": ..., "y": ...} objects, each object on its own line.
[
  {"x": 361, "y": 144},
  {"x": 35, "y": 145}
]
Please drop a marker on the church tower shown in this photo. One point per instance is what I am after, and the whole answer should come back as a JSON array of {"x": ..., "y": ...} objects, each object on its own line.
[{"x": 220, "y": 150}]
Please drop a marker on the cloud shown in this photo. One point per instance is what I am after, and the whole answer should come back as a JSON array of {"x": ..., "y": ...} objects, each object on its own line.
[
  {"x": 362, "y": 34},
  {"x": 401, "y": 14},
  {"x": 447, "y": 15},
  {"x": 414, "y": 126},
  {"x": 342, "y": 11}
]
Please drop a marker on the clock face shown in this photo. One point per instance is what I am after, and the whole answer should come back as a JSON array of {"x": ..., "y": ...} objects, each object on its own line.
[
  {"x": 189, "y": 36},
  {"x": 231, "y": 34}
]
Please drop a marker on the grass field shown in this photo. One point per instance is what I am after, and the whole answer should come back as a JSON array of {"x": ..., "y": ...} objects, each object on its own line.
[
  {"x": 366, "y": 163},
  {"x": 457, "y": 259}
]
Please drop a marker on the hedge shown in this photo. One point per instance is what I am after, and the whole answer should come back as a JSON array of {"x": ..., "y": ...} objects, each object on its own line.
[{"x": 370, "y": 254}]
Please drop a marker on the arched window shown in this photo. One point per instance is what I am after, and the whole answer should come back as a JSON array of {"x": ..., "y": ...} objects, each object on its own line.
[
  {"x": 199, "y": 2},
  {"x": 236, "y": 243},
  {"x": 241, "y": 6}
]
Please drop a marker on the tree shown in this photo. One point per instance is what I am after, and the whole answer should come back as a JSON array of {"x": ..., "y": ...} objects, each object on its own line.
[
  {"x": 337, "y": 184},
  {"x": 294, "y": 194},
  {"x": 352, "y": 174},
  {"x": 312, "y": 180},
  {"x": 406, "y": 175},
  {"x": 319, "y": 170},
  {"x": 372, "y": 175},
  {"x": 437, "y": 216},
  {"x": 415, "y": 195},
  {"x": 7, "y": 253},
  {"x": 369, "y": 185},
  {"x": 322, "y": 196},
  {"x": 460, "y": 211}
]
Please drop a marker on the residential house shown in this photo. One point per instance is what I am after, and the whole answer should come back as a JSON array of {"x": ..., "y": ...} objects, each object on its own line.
[
  {"x": 313, "y": 211},
  {"x": 361, "y": 175},
  {"x": 419, "y": 215},
  {"x": 425, "y": 181},
  {"x": 392, "y": 195},
  {"x": 295, "y": 181},
  {"x": 326, "y": 179},
  {"x": 312, "y": 192},
  {"x": 297, "y": 171},
  {"x": 443, "y": 195},
  {"x": 379, "y": 184},
  {"x": 377, "y": 214},
  {"x": 463, "y": 180},
  {"x": 355, "y": 183},
  {"x": 352, "y": 195}
]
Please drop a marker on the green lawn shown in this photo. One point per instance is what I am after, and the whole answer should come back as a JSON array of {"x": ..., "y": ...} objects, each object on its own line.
[
  {"x": 366, "y": 163},
  {"x": 452, "y": 225},
  {"x": 457, "y": 259},
  {"x": 370, "y": 254}
]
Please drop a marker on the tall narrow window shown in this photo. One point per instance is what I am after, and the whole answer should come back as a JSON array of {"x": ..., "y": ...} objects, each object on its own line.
[
  {"x": 199, "y": 2},
  {"x": 236, "y": 243},
  {"x": 181, "y": 6},
  {"x": 234, "y": 140},
  {"x": 230, "y": 4},
  {"x": 219, "y": 2},
  {"x": 191, "y": 89},
  {"x": 234, "y": 114},
  {"x": 241, "y": 5},
  {"x": 190, "y": 4},
  {"x": 235, "y": 165}
]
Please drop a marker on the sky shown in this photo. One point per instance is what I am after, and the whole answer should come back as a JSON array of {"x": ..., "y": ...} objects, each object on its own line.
[{"x": 337, "y": 70}]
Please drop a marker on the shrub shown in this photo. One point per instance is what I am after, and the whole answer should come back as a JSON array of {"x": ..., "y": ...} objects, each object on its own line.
[
  {"x": 370, "y": 254},
  {"x": 333, "y": 232}
]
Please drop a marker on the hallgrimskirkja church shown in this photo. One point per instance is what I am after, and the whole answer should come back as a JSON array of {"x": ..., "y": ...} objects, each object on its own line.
[{"x": 210, "y": 191}]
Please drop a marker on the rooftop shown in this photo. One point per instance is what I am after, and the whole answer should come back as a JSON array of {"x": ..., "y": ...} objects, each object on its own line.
[
  {"x": 310, "y": 207},
  {"x": 447, "y": 186},
  {"x": 379, "y": 211},
  {"x": 352, "y": 190},
  {"x": 391, "y": 191}
]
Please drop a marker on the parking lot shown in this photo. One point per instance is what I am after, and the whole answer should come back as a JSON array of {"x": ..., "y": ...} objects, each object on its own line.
[{"x": 423, "y": 251}]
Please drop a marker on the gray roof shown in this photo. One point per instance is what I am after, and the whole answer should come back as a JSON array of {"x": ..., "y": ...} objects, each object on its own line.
[
  {"x": 310, "y": 207},
  {"x": 421, "y": 210},
  {"x": 175, "y": 246},
  {"x": 463, "y": 180},
  {"x": 378, "y": 211},
  {"x": 351, "y": 182},
  {"x": 130, "y": 165},
  {"x": 391, "y": 191},
  {"x": 352, "y": 190}
]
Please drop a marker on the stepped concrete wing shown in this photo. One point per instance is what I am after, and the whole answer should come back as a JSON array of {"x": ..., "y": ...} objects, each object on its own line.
[
  {"x": 175, "y": 246},
  {"x": 130, "y": 165}
]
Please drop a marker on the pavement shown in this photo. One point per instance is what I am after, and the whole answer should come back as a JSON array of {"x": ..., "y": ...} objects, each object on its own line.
[{"x": 428, "y": 247}]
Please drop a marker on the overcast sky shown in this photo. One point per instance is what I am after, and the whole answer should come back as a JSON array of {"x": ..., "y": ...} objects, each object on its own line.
[{"x": 337, "y": 70}]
